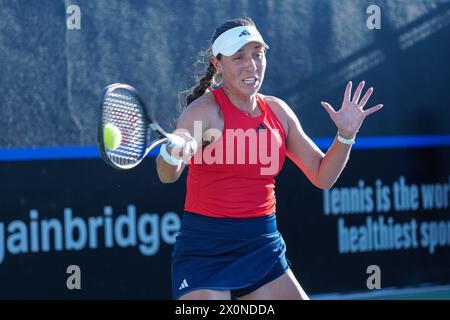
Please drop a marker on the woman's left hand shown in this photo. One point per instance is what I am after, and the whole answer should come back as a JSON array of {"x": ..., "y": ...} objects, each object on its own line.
[{"x": 349, "y": 118}]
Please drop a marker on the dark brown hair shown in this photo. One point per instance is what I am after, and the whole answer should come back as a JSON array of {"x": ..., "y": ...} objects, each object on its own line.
[{"x": 209, "y": 77}]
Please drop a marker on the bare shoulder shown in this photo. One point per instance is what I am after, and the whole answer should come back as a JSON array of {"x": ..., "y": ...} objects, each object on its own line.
[
  {"x": 276, "y": 104},
  {"x": 204, "y": 108},
  {"x": 280, "y": 108}
]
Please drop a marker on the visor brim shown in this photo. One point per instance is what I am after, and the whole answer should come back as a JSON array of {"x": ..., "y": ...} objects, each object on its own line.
[{"x": 232, "y": 49}]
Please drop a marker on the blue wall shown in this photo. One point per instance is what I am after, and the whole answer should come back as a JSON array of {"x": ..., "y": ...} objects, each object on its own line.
[{"x": 51, "y": 76}]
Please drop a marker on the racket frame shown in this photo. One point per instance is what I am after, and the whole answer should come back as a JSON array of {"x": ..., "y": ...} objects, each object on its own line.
[{"x": 153, "y": 126}]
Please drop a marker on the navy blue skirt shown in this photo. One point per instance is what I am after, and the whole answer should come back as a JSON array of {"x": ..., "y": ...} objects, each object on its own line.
[{"x": 233, "y": 254}]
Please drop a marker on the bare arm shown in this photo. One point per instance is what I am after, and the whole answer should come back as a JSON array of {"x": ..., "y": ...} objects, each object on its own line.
[
  {"x": 301, "y": 149},
  {"x": 168, "y": 173},
  {"x": 195, "y": 112},
  {"x": 321, "y": 169}
]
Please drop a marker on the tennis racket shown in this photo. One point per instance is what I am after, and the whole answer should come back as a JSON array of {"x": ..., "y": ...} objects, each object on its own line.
[{"x": 123, "y": 107}]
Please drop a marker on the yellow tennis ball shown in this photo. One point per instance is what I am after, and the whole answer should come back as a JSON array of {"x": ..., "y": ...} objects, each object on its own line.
[{"x": 111, "y": 136}]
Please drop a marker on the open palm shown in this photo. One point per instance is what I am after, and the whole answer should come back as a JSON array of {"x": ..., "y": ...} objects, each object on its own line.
[{"x": 350, "y": 117}]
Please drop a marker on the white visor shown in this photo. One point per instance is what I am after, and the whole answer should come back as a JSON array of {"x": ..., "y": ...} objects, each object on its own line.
[{"x": 233, "y": 39}]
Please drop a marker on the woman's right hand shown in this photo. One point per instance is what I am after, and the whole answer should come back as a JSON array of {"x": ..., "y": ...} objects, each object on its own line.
[{"x": 181, "y": 145}]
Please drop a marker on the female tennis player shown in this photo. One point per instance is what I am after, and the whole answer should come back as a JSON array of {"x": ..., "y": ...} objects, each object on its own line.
[{"x": 236, "y": 140}]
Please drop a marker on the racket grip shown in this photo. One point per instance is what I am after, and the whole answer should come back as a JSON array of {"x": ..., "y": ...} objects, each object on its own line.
[
  {"x": 175, "y": 141},
  {"x": 168, "y": 157},
  {"x": 188, "y": 149}
]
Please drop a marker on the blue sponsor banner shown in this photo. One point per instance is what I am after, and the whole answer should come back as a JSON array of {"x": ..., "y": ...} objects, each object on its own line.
[{"x": 118, "y": 227}]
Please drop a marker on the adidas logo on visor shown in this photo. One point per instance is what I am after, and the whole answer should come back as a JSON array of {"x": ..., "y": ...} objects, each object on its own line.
[{"x": 244, "y": 33}]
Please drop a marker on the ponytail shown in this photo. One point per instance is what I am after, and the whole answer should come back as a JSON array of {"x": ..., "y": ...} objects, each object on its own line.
[{"x": 205, "y": 83}]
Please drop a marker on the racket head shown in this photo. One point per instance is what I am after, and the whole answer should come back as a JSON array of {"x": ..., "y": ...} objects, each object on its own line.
[{"x": 123, "y": 107}]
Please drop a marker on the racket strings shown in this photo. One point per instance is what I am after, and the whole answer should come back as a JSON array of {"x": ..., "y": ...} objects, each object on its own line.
[{"x": 126, "y": 112}]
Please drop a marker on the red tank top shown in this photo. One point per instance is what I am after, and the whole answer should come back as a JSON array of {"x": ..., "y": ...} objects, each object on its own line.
[{"x": 234, "y": 176}]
